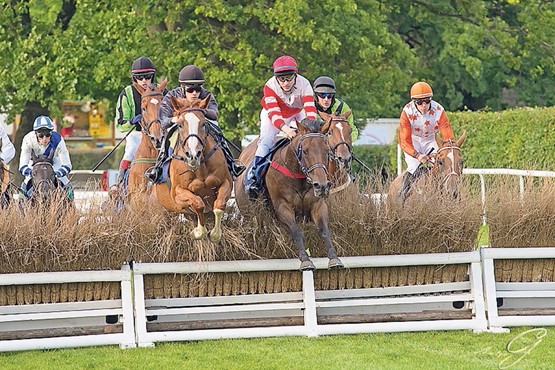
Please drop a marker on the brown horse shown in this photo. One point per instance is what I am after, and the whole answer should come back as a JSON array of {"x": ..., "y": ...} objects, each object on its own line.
[
  {"x": 444, "y": 175},
  {"x": 199, "y": 180},
  {"x": 5, "y": 182},
  {"x": 151, "y": 140},
  {"x": 341, "y": 149},
  {"x": 297, "y": 185}
]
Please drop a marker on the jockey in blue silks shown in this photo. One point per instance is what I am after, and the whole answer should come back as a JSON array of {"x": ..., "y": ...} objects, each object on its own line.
[{"x": 43, "y": 140}]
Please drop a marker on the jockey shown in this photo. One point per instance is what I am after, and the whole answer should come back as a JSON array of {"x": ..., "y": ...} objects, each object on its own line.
[
  {"x": 7, "y": 152},
  {"x": 288, "y": 98},
  {"x": 42, "y": 141},
  {"x": 191, "y": 80},
  {"x": 420, "y": 119},
  {"x": 128, "y": 113},
  {"x": 325, "y": 101}
]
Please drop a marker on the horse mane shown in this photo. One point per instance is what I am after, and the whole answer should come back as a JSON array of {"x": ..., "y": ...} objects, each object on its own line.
[{"x": 312, "y": 125}]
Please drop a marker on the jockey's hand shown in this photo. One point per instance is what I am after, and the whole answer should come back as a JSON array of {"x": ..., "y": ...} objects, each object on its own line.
[
  {"x": 136, "y": 120},
  {"x": 174, "y": 119},
  {"x": 27, "y": 172},
  {"x": 423, "y": 158},
  {"x": 291, "y": 133}
]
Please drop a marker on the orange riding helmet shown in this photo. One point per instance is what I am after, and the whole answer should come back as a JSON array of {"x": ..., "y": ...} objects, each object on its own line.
[{"x": 421, "y": 90}]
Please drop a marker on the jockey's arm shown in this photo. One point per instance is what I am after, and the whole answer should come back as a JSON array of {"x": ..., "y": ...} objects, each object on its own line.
[
  {"x": 124, "y": 112},
  {"x": 351, "y": 120},
  {"x": 63, "y": 154},
  {"x": 7, "y": 148},
  {"x": 25, "y": 156},
  {"x": 445, "y": 127},
  {"x": 405, "y": 136}
]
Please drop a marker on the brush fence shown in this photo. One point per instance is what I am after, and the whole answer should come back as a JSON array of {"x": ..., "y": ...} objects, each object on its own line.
[
  {"x": 77, "y": 319},
  {"x": 157, "y": 302}
]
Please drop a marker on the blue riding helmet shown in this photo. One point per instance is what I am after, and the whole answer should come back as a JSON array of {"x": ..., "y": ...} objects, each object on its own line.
[{"x": 43, "y": 122}]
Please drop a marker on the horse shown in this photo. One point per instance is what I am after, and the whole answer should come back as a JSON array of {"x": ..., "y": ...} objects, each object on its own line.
[
  {"x": 151, "y": 141},
  {"x": 444, "y": 174},
  {"x": 199, "y": 180},
  {"x": 45, "y": 185},
  {"x": 340, "y": 149},
  {"x": 296, "y": 185},
  {"x": 4, "y": 184}
]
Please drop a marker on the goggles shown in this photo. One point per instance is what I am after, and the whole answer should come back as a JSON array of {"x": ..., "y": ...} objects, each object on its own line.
[
  {"x": 286, "y": 78},
  {"x": 325, "y": 95},
  {"x": 422, "y": 101},
  {"x": 41, "y": 134},
  {"x": 192, "y": 89},
  {"x": 147, "y": 76}
]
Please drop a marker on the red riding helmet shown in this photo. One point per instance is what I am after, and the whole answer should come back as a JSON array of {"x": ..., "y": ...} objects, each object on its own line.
[{"x": 285, "y": 65}]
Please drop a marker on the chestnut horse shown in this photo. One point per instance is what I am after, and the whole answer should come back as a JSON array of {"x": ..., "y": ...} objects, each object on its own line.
[
  {"x": 5, "y": 182},
  {"x": 296, "y": 186},
  {"x": 151, "y": 140},
  {"x": 444, "y": 175},
  {"x": 341, "y": 149},
  {"x": 199, "y": 180}
]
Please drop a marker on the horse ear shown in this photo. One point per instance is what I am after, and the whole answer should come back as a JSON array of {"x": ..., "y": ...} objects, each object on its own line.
[
  {"x": 51, "y": 155},
  {"x": 325, "y": 116},
  {"x": 461, "y": 139},
  {"x": 176, "y": 104},
  {"x": 33, "y": 156},
  {"x": 439, "y": 140},
  {"x": 347, "y": 113},
  {"x": 163, "y": 84},
  {"x": 325, "y": 127},
  {"x": 204, "y": 102}
]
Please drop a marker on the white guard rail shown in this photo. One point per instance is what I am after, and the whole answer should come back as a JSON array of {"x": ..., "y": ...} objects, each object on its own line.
[
  {"x": 521, "y": 296},
  {"x": 52, "y": 316},
  {"x": 309, "y": 304}
]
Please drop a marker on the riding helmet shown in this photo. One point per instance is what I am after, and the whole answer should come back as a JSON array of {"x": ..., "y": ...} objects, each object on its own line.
[
  {"x": 285, "y": 65},
  {"x": 421, "y": 90},
  {"x": 43, "y": 122},
  {"x": 191, "y": 75},
  {"x": 324, "y": 84},
  {"x": 142, "y": 66}
]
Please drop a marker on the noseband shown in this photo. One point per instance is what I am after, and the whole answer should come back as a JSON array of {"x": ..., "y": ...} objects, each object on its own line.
[
  {"x": 299, "y": 154},
  {"x": 201, "y": 140},
  {"x": 453, "y": 172},
  {"x": 145, "y": 127},
  {"x": 332, "y": 155}
]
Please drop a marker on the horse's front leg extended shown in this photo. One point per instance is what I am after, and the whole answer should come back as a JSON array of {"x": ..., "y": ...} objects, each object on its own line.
[
  {"x": 187, "y": 199},
  {"x": 222, "y": 196},
  {"x": 286, "y": 216},
  {"x": 319, "y": 215}
]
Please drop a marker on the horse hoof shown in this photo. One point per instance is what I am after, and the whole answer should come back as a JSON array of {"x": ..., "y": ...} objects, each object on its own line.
[
  {"x": 335, "y": 263},
  {"x": 215, "y": 237},
  {"x": 199, "y": 233},
  {"x": 307, "y": 266}
]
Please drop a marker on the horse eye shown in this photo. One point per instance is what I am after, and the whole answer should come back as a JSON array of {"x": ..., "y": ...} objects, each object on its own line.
[
  {"x": 440, "y": 162},
  {"x": 305, "y": 151}
]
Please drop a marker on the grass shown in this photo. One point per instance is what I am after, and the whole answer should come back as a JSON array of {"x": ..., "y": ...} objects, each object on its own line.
[{"x": 421, "y": 350}]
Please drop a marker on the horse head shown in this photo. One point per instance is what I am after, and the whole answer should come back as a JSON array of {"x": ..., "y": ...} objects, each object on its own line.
[
  {"x": 192, "y": 137},
  {"x": 43, "y": 175},
  {"x": 311, "y": 150},
  {"x": 339, "y": 139},
  {"x": 151, "y": 102},
  {"x": 449, "y": 165}
]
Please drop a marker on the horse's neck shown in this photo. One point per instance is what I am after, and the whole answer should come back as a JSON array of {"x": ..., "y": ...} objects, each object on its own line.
[{"x": 146, "y": 147}]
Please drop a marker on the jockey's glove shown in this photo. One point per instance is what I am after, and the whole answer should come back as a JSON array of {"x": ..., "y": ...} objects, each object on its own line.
[
  {"x": 290, "y": 132},
  {"x": 27, "y": 171},
  {"x": 136, "y": 120}
]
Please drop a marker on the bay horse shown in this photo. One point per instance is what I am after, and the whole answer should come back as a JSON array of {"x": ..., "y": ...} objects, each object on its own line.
[
  {"x": 4, "y": 184},
  {"x": 199, "y": 181},
  {"x": 46, "y": 186},
  {"x": 151, "y": 127},
  {"x": 341, "y": 149},
  {"x": 296, "y": 186},
  {"x": 444, "y": 174}
]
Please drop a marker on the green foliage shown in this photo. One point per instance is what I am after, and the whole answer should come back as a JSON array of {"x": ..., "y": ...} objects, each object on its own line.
[{"x": 86, "y": 159}]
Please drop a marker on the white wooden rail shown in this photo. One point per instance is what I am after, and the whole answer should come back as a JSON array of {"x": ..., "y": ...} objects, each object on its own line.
[
  {"x": 310, "y": 304},
  {"x": 52, "y": 316}
]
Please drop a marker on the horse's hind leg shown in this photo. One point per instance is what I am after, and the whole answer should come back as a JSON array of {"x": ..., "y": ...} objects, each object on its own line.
[
  {"x": 287, "y": 217},
  {"x": 320, "y": 218}
]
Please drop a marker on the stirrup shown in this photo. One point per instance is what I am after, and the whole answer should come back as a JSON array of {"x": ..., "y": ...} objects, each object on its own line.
[
  {"x": 238, "y": 168},
  {"x": 153, "y": 174}
]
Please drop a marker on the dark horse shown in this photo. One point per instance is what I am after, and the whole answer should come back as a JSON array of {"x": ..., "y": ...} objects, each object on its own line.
[
  {"x": 45, "y": 184},
  {"x": 5, "y": 183},
  {"x": 297, "y": 185}
]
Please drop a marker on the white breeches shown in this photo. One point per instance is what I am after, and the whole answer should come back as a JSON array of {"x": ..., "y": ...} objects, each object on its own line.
[
  {"x": 131, "y": 144},
  {"x": 268, "y": 131},
  {"x": 421, "y": 147}
]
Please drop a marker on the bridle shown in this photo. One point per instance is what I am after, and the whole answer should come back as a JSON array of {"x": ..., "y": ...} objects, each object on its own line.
[
  {"x": 299, "y": 155},
  {"x": 201, "y": 140},
  {"x": 146, "y": 126},
  {"x": 453, "y": 172},
  {"x": 332, "y": 155}
]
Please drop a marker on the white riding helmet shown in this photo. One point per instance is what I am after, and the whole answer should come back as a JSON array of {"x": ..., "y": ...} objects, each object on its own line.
[{"x": 43, "y": 122}]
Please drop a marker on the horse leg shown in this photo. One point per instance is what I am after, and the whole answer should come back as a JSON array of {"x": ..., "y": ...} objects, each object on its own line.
[
  {"x": 286, "y": 216},
  {"x": 319, "y": 215},
  {"x": 186, "y": 199},
  {"x": 224, "y": 193}
]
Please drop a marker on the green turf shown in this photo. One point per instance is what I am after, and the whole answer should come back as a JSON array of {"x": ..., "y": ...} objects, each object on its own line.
[
  {"x": 483, "y": 236},
  {"x": 423, "y": 350}
]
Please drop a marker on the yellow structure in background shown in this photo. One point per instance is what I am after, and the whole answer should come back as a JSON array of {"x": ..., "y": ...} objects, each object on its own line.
[{"x": 86, "y": 121}]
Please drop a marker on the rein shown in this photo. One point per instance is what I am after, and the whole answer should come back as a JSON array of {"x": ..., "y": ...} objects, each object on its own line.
[
  {"x": 453, "y": 172},
  {"x": 145, "y": 127}
]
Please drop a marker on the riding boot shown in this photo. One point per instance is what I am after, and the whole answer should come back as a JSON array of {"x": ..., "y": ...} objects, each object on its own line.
[
  {"x": 254, "y": 178},
  {"x": 408, "y": 179},
  {"x": 154, "y": 173},
  {"x": 235, "y": 167}
]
